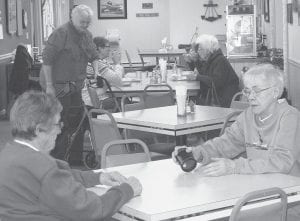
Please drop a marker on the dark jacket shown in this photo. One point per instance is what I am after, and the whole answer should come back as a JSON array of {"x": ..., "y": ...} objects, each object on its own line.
[
  {"x": 218, "y": 69},
  {"x": 19, "y": 78}
]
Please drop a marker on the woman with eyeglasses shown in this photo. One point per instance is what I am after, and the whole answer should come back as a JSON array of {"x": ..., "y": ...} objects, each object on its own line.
[
  {"x": 268, "y": 131},
  {"x": 113, "y": 73},
  {"x": 36, "y": 186}
]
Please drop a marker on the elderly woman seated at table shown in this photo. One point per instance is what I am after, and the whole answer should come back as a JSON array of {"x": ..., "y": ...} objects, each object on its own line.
[
  {"x": 35, "y": 186},
  {"x": 213, "y": 67},
  {"x": 268, "y": 131},
  {"x": 113, "y": 73}
]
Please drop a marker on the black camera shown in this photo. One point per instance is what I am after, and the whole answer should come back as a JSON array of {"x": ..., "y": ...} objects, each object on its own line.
[
  {"x": 100, "y": 82},
  {"x": 186, "y": 160}
]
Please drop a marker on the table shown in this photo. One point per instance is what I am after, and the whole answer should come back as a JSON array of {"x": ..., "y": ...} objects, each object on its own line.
[
  {"x": 164, "y": 120},
  {"x": 169, "y": 193},
  {"x": 161, "y": 53},
  {"x": 136, "y": 86}
]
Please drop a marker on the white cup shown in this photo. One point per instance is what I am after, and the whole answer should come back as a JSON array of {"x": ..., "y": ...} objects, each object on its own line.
[{"x": 181, "y": 104}]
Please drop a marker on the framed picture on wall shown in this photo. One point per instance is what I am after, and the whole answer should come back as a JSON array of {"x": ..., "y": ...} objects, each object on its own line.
[
  {"x": 11, "y": 16},
  {"x": 266, "y": 11},
  {"x": 112, "y": 9}
]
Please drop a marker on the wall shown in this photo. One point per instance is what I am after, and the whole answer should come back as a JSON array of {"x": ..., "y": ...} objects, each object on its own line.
[
  {"x": 274, "y": 28},
  {"x": 136, "y": 32},
  {"x": 294, "y": 60},
  {"x": 8, "y": 44},
  {"x": 185, "y": 16}
]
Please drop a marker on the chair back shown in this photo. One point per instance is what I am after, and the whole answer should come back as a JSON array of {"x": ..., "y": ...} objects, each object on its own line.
[
  {"x": 132, "y": 106},
  {"x": 157, "y": 98},
  {"x": 228, "y": 121},
  {"x": 274, "y": 212},
  {"x": 239, "y": 101},
  {"x": 141, "y": 57},
  {"x": 128, "y": 58},
  {"x": 104, "y": 131},
  {"x": 109, "y": 160},
  {"x": 93, "y": 96}
]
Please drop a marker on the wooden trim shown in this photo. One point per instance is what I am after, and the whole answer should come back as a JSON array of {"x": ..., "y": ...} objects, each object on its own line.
[{"x": 293, "y": 62}]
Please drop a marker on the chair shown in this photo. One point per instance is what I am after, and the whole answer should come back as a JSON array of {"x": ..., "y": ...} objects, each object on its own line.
[
  {"x": 228, "y": 121},
  {"x": 274, "y": 212},
  {"x": 149, "y": 67},
  {"x": 103, "y": 131},
  {"x": 157, "y": 98},
  {"x": 136, "y": 66},
  {"x": 150, "y": 139},
  {"x": 95, "y": 100},
  {"x": 239, "y": 101},
  {"x": 125, "y": 158}
]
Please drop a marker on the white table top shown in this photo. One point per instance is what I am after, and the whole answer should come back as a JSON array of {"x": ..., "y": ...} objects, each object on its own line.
[
  {"x": 158, "y": 53},
  {"x": 168, "y": 192},
  {"x": 137, "y": 85},
  {"x": 164, "y": 120}
]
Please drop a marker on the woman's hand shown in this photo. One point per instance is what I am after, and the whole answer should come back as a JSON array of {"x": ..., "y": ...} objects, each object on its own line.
[
  {"x": 136, "y": 185},
  {"x": 218, "y": 167},
  {"x": 112, "y": 178},
  {"x": 116, "y": 57}
]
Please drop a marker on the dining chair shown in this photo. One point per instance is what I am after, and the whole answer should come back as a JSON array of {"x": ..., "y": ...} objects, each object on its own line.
[
  {"x": 160, "y": 149},
  {"x": 239, "y": 101},
  {"x": 112, "y": 160},
  {"x": 277, "y": 211},
  {"x": 229, "y": 119},
  {"x": 148, "y": 67},
  {"x": 109, "y": 98},
  {"x": 133, "y": 67},
  {"x": 103, "y": 130},
  {"x": 161, "y": 95}
]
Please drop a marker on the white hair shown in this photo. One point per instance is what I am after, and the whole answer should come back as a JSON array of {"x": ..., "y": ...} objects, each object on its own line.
[
  {"x": 81, "y": 10},
  {"x": 267, "y": 73},
  {"x": 207, "y": 42}
]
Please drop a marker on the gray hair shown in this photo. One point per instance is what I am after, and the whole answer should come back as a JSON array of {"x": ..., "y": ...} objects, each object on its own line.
[
  {"x": 267, "y": 73},
  {"x": 207, "y": 42},
  {"x": 30, "y": 109},
  {"x": 82, "y": 10}
]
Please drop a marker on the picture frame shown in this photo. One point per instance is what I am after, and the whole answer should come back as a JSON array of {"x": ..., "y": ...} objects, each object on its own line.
[
  {"x": 11, "y": 16},
  {"x": 267, "y": 10},
  {"x": 112, "y": 9}
]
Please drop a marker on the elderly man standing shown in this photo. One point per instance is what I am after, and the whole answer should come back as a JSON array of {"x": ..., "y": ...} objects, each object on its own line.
[{"x": 68, "y": 50}]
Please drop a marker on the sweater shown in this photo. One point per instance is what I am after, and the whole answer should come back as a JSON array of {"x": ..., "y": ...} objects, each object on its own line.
[
  {"x": 36, "y": 187},
  {"x": 271, "y": 148}
]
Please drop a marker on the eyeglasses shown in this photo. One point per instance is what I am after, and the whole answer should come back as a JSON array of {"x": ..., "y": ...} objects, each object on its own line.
[
  {"x": 247, "y": 91},
  {"x": 59, "y": 124},
  {"x": 107, "y": 46}
]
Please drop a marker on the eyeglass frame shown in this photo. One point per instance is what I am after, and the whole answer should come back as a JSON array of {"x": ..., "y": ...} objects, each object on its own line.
[{"x": 255, "y": 93}]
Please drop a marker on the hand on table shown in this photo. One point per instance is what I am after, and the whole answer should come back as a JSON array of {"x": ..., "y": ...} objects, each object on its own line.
[
  {"x": 112, "y": 178},
  {"x": 135, "y": 184},
  {"x": 218, "y": 167}
]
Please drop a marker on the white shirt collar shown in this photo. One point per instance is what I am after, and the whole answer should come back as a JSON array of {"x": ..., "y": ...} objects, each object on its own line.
[{"x": 26, "y": 144}]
